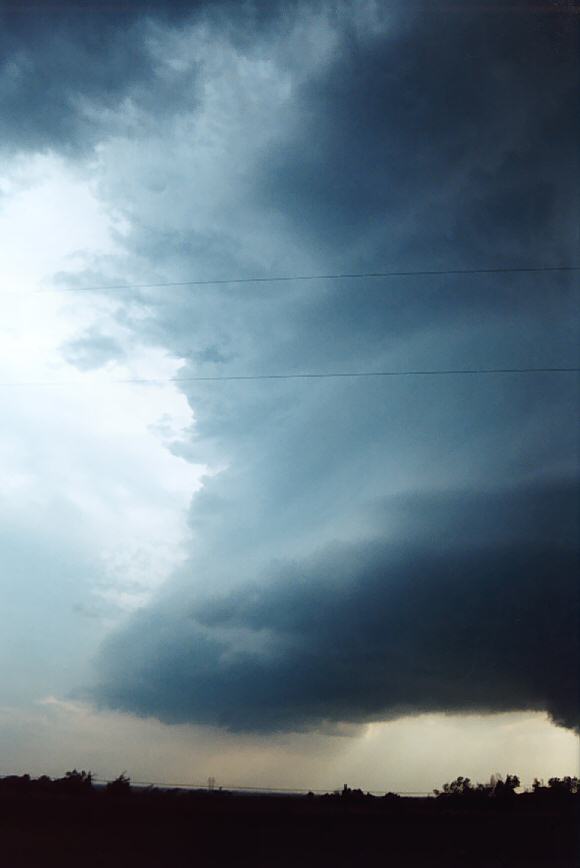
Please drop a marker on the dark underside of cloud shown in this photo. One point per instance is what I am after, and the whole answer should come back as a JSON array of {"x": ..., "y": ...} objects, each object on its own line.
[{"x": 474, "y": 607}]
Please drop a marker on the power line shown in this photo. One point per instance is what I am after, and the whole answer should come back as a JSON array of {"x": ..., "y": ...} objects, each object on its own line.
[
  {"x": 302, "y": 376},
  {"x": 241, "y": 788},
  {"x": 254, "y": 789},
  {"x": 443, "y": 272}
]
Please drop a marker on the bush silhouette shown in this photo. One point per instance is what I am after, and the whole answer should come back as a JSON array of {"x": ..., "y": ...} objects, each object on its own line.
[
  {"x": 497, "y": 788},
  {"x": 76, "y": 783},
  {"x": 121, "y": 786}
]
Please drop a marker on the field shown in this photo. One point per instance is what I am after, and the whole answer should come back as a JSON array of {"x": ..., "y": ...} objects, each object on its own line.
[{"x": 196, "y": 828}]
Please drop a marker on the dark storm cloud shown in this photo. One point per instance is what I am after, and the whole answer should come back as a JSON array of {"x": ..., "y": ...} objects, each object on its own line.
[
  {"x": 61, "y": 65},
  {"x": 437, "y": 139},
  {"x": 449, "y": 137},
  {"x": 443, "y": 139},
  {"x": 473, "y": 608},
  {"x": 64, "y": 65}
]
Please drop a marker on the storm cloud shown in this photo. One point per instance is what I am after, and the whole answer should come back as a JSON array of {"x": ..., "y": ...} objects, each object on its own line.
[
  {"x": 361, "y": 548},
  {"x": 63, "y": 66},
  {"x": 476, "y": 611},
  {"x": 74, "y": 73},
  {"x": 412, "y": 139}
]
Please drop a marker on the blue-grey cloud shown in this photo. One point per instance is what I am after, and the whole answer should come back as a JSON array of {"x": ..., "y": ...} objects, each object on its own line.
[
  {"x": 74, "y": 73},
  {"x": 66, "y": 66},
  {"x": 474, "y": 608},
  {"x": 428, "y": 140},
  {"x": 92, "y": 350},
  {"x": 445, "y": 137}
]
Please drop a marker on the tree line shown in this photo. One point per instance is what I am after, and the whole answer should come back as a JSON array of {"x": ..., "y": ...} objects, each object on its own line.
[{"x": 81, "y": 783}]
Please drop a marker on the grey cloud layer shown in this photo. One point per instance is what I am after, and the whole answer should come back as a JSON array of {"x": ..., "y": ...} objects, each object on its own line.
[
  {"x": 428, "y": 140},
  {"x": 437, "y": 141},
  {"x": 436, "y": 621},
  {"x": 73, "y": 73},
  {"x": 457, "y": 126}
]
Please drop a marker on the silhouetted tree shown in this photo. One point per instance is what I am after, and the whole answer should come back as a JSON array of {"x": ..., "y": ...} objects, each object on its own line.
[
  {"x": 507, "y": 788},
  {"x": 76, "y": 783},
  {"x": 348, "y": 793},
  {"x": 459, "y": 787},
  {"x": 564, "y": 786},
  {"x": 538, "y": 785},
  {"x": 462, "y": 787},
  {"x": 16, "y": 783},
  {"x": 121, "y": 786}
]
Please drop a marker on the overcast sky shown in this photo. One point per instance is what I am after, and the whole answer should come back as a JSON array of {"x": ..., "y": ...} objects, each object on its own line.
[{"x": 288, "y": 582}]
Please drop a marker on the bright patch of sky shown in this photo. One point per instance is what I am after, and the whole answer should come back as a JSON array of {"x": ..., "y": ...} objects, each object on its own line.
[
  {"x": 410, "y": 754},
  {"x": 82, "y": 444}
]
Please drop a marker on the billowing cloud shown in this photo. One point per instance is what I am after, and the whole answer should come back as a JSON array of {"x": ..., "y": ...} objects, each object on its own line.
[
  {"x": 331, "y": 574},
  {"x": 66, "y": 66},
  {"x": 75, "y": 72},
  {"x": 441, "y": 137},
  {"x": 473, "y": 608},
  {"x": 409, "y": 141}
]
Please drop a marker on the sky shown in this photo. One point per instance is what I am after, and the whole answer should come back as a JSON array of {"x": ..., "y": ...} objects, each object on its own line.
[{"x": 289, "y": 582}]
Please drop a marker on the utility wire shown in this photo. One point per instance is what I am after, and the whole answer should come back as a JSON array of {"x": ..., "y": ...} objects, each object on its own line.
[
  {"x": 244, "y": 789},
  {"x": 435, "y": 272},
  {"x": 239, "y": 787},
  {"x": 304, "y": 376}
]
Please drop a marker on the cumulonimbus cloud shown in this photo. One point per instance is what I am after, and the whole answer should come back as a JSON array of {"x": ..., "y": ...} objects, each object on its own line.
[
  {"x": 420, "y": 140},
  {"x": 475, "y": 608}
]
